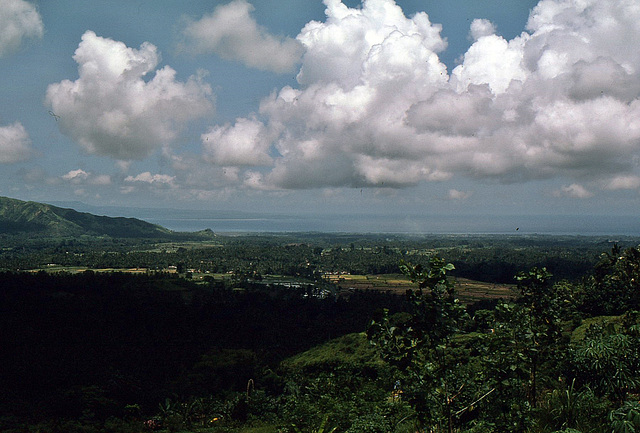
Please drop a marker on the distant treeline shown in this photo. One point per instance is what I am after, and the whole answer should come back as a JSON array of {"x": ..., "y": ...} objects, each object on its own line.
[{"x": 486, "y": 258}]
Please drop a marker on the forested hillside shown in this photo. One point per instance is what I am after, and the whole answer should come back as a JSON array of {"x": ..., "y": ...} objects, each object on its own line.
[
  {"x": 20, "y": 218},
  {"x": 241, "y": 349}
]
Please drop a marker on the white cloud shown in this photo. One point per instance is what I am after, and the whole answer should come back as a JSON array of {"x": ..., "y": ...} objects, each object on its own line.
[
  {"x": 123, "y": 165},
  {"x": 623, "y": 182},
  {"x": 245, "y": 143},
  {"x": 455, "y": 194},
  {"x": 76, "y": 175},
  {"x": 80, "y": 176},
  {"x": 374, "y": 105},
  {"x": 15, "y": 144},
  {"x": 574, "y": 190},
  {"x": 194, "y": 176},
  {"x": 19, "y": 20},
  {"x": 374, "y": 37},
  {"x": 494, "y": 61},
  {"x": 361, "y": 71},
  {"x": 112, "y": 109},
  {"x": 253, "y": 179},
  {"x": 155, "y": 179},
  {"x": 232, "y": 33},
  {"x": 480, "y": 28}
]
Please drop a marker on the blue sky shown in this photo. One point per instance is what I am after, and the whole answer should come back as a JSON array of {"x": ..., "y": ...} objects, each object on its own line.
[{"x": 302, "y": 106}]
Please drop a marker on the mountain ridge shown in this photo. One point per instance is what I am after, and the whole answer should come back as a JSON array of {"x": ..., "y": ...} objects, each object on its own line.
[{"x": 18, "y": 217}]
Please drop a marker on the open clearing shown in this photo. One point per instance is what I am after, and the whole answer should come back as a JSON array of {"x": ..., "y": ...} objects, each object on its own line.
[{"x": 467, "y": 290}]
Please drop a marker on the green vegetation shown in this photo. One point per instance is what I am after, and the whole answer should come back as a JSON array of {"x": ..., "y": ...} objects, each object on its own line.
[
  {"x": 37, "y": 220},
  {"x": 318, "y": 333},
  {"x": 349, "y": 350}
]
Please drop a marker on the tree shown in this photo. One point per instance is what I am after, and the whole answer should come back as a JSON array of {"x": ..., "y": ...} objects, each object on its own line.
[
  {"x": 542, "y": 308},
  {"x": 524, "y": 346},
  {"x": 433, "y": 374},
  {"x": 614, "y": 287}
]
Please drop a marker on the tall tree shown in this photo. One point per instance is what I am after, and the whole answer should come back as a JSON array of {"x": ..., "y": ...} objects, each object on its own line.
[{"x": 432, "y": 377}]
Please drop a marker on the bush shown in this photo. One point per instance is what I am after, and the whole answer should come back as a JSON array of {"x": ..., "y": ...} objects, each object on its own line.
[
  {"x": 626, "y": 419},
  {"x": 371, "y": 423}
]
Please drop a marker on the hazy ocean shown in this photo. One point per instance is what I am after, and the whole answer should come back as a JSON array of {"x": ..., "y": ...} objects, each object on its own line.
[
  {"x": 414, "y": 224},
  {"x": 189, "y": 220}
]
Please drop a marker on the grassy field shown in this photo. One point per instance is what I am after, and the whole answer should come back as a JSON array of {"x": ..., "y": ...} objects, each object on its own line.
[
  {"x": 79, "y": 269},
  {"x": 467, "y": 290}
]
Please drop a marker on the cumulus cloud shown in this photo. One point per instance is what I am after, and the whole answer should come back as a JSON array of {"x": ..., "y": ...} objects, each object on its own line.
[
  {"x": 350, "y": 81},
  {"x": 574, "y": 190},
  {"x": 493, "y": 61},
  {"x": 114, "y": 109},
  {"x": 15, "y": 144},
  {"x": 480, "y": 28},
  {"x": 76, "y": 175},
  {"x": 232, "y": 33},
  {"x": 375, "y": 106},
  {"x": 245, "y": 143},
  {"x": 19, "y": 20},
  {"x": 154, "y": 179},
  {"x": 79, "y": 176}
]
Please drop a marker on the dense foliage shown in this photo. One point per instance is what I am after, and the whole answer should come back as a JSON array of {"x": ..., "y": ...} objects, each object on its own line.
[
  {"x": 494, "y": 259},
  {"x": 157, "y": 351},
  {"x": 43, "y": 221}
]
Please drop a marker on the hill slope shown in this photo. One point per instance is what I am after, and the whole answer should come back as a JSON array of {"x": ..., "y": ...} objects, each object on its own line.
[{"x": 43, "y": 220}]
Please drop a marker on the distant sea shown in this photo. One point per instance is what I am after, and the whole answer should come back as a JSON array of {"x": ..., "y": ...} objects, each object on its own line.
[
  {"x": 410, "y": 224},
  {"x": 189, "y": 220}
]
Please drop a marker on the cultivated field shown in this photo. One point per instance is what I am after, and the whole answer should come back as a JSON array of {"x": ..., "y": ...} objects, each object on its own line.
[{"x": 467, "y": 290}]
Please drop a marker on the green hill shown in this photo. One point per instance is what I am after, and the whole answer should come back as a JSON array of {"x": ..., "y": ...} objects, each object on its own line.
[
  {"x": 350, "y": 351},
  {"x": 34, "y": 219}
]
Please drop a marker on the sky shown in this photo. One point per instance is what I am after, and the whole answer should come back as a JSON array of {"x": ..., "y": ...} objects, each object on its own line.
[{"x": 463, "y": 107}]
